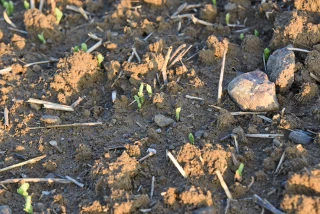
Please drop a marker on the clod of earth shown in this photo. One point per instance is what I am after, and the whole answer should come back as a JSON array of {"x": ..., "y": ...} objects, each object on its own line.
[
  {"x": 50, "y": 119},
  {"x": 253, "y": 91},
  {"x": 163, "y": 121},
  {"x": 280, "y": 68}
]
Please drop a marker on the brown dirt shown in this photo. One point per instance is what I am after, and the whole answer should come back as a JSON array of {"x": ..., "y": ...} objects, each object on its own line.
[{"x": 105, "y": 158}]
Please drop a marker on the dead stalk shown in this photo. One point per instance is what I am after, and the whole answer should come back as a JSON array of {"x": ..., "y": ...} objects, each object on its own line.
[
  {"x": 236, "y": 143},
  {"x": 41, "y": 5},
  {"x": 180, "y": 8},
  {"x": 151, "y": 152},
  {"x": 17, "y": 30},
  {"x": 199, "y": 21},
  {"x": 175, "y": 162},
  {"x": 280, "y": 163},
  {"x": 251, "y": 183},
  {"x": 77, "y": 102},
  {"x": 266, "y": 204},
  {"x": 182, "y": 16},
  {"x": 265, "y": 118},
  {"x": 235, "y": 25},
  {"x": 51, "y": 105},
  {"x": 315, "y": 77},
  {"x": 131, "y": 56},
  {"x": 31, "y": 161},
  {"x": 83, "y": 13},
  {"x": 76, "y": 9},
  {"x": 264, "y": 135},
  {"x": 6, "y": 118},
  {"x": 97, "y": 45},
  {"x": 164, "y": 66},
  {"x": 136, "y": 54},
  {"x": 32, "y": 4},
  {"x": 223, "y": 184},
  {"x": 35, "y": 180},
  {"x": 177, "y": 51},
  {"x": 74, "y": 181},
  {"x": 152, "y": 187},
  {"x": 192, "y": 6},
  {"x": 194, "y": 98},
  {"x": 246, "y": 113},
  {"x": 179, "y": 57},
  {"x": 234, "y": 160},
  {"x": 298, "y": 49},
  {"x": 67, "y": 125},
  {"x": 40, "y": 62},
  {"x": 7, "y": 19},
  {"x": 94, "y": 36},
  {"x": 221, "y": 76},
  {"x": 264, "y": 62},
  {"x": 150, "y": 34}
]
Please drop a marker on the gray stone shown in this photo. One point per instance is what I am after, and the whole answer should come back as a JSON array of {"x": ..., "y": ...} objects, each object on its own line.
[
  {"x": 163, "y": 121},
  {"x": 5, "y": 209},
  {"x": 204, "y": 210},
  {"x": 230, "y": 7},
  {"x": 253, "y": 91},
  {"x": 300, "y": 137},
  {"x": 50, "y": 119},
  {"x": 280, "y": 68},
  {"x": 199, "y": 134}
]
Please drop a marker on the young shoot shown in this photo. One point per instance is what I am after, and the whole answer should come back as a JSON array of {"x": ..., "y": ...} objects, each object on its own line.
[
  {"x": 191, "y": 138},
  {"x": 266, "y": 53},
  {"x": 2, "y": 2},
  {"x": 256, "y": 33},
  {"x": 238, "y": 175},
  {"x": 137, "y": 99},
  {"x": 26, "y": 5},
  {"x": 11, "y": 8},
  {"x": 23, "y": 191},
  {"x": 214, "y": 2},
  {"x": 241, "y": 36},
  {"x": 140, "y": 93},
  {"x": 58, "y": 14},
  {"x": 149, "y": 90},
  {"x": 84, "y": 47},
  {"x": 228, "y": 18},
  {"x": 75, "y": 49},
  {"x": 178, "y": 110},
  {"x": 41, "y": 38},
  {"x": 100, "y": 59}
]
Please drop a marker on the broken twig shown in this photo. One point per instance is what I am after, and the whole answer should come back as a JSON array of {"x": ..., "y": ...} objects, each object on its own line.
[
  {"x": 264, "y": 135},
  {"x": 223, "y": 184},
  {"x": 50, "y": 105},
  {"x": 74, "y": 181},
  {"x": 31, "y": 161},
  {"x": 164, "y": 66},
  {"x": 8, "y": 20},
  {"x": 35, "y": 180},
  {"x": 152, "y": 188},
  {"x": 280, "y": 163},
  {"x": 175, "y": 162},
  {"x": 67, "y": 125},
  {"x": 221, "y": 76},
  {"x": 6, "y": 118},
  {"x": 266, "y": 204},
  {"x": 194, "y": 98}
]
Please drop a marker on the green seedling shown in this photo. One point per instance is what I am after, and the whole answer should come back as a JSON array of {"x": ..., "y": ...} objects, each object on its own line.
[
  {"x": 100, "y": 59},
  {"x": 58, "y": 14},
  {"x": 178, "y": 110},
  {"x": 238, "y": 175},
  {"x": 266, "y": 53},
  {"x": 23, "y": 191},
  {"x": 241, "y": 36},
  {"x": 41, "y": 38},
  {"x": 11, "y": 8},
  {"x": 228, "y": 18},
  {"x": 2, "y": 2},
  {"x": 75, "y": 49},
  {"x": 149, "y": 90},
  {"x": 256, "y": 33},
  {"x": 137, "y": 99},
  {"x": 140, "y": 93},
  {"x": 84, "y": 47},
  {"x": 26, "y": 5},
  {"x": 214, "y": 2},
  {"x": 191, "y": 138}
]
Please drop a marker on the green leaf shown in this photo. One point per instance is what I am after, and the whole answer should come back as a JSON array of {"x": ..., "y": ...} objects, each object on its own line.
[
  {"x": 23, "y": 189},
  {"x": 266, "y": 53},
  {"x": 100, "y": 59},
  {"x": 76, "y": 49},
  {"x": 228, "y": 18},
  {"x": 256, "y": 33},
  {"x": 84, "y": 47},
  {"x": 178, "y": 110},
  {"x": 241, "y": 36},
  {"x": 28, "y": 206},
  {"x": 240, "y": 169},
  {"x": 137, "y": 99},
  {"x": 140, "y": 92},
  {"x": 191, "y": 138},
  {"x": 41, "y": 38},
  {"x": 26, "y": 5},
  {"x": 11, "y": 8},
  {"x": 149, "y": 90},
  {"x": 58, "y": 14},
  {"x": 214, "y": 2}
]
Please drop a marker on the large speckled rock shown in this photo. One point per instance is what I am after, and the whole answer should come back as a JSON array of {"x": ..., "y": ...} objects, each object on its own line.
[
  {"x": 163, "y": 121},
  {"x": 253, "y": 91},
  {"x": 280, "y": 68}
]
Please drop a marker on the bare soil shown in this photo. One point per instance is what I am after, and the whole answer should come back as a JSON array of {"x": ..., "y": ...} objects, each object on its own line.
[{"x": 105, "y": 158}]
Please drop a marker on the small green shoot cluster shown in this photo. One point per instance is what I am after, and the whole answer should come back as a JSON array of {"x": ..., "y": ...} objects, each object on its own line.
[
  {"x": 140, "y": 97},
  {"x": 256, "y": 33},
  {"x": 191, "y": 138},
  {"x": 58, "y": 13},
  {"x": 214, "y": 2},
  {"x": 8, "y": 6},
  {"x": 84, "y": 48},
  {"x": 23, "y": 191},
  {"x": 26, "y": 5},
  {"x": 41, "y": 38},
  {"x": 100, "y": 59},
  {"x": 241, "y": 36},
  {"x": 266, "y": 53},
  {"x": 238, "y": 175},
  {"x": 228, "y": 18},
  {"x": 178, "y": 110}
]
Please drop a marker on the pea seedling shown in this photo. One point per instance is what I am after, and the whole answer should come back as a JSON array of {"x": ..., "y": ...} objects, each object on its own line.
[
  {"x": 26, "y": 5},
  {"x": 256, "y": 33},
  {"x": 75, "y": 49},
  {"x": 178, "y": 110},
  {"x": 23, "y": 191},
  {"x": 191, "y": 138},
  {"x": 228, "y": 18},
  {"x": 84, "y": 47},
  {"x": 100, "y": 59},
  {"x": 140, "y": 93},
  {"x": 9, "y": 7},
  {"x": 58, "y": 14},
  {"x": 266, "y": 53},
  {"x": 149, "y": 90},
  {"x": 238, "y": 175},
  {"x": 41, "y": 38},
  {"x": 241, "y": 36},
  {"x": 214, "y": 2},
  {"x": 137, "y": 99}
]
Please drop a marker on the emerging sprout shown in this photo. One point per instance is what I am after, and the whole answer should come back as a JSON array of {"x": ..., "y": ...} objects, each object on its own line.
[
  {"x": 228, "y": 18},
  {"x": 241, "y": 36},
  {"x": 23, "y": 191},
  {"x": 140, "y": 93},
  {"x": 137, "y": 99},
  {"x": 178, "y": 110},
  {"x": 149, "y": 90},
  {"x": 214, "y": 2},
  {"x": 26, "y": 5},
  {"x": 41, "y": 38},
  {"x": 238, "y": 175},
  {"x": 256, "y": 33},
  {"x": 84, "y": 47},
  {"x": 191, "y": 138},
  {"x": 58, "y": 14},
  {"x": 75, "y": 49},
  {"x": 11, "y": 8},
  {"x": 266, "y": 53},
  {"x": 100, "y": 59}
]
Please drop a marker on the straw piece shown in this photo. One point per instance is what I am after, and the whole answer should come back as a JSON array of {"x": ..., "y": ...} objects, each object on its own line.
[
  {"x": 41, "y": 5},
  {"x": 35, "y": 180},
  {"x": 175, "y": 162},
  {"x": 83, "y": 13},
  {"x": 280, "y": 163},
  {"x": 245, "y": 113},
  {"x": 74, "y": 181},
  {"x": 32, "y": 4},
  {"x": 298, "y": 49},
  {"x": 67, "y": 125},
  {"x": 221, "y": 76},
  {"x": 31, "y": 161},
  {"x": 152, "y": 188},
  {"x": 194, "y": 98},
  {"x": 264, "y": 135},
  {"x": 223, "y": 184},
  {"x": 7, "y": 19},
  {"x": 164, "y": 66},
  {"x": 5, "y": 70},
  {"x": 40, "y": 62},
  {"x": 17, "y": 30},
  {"x": 266, "y": 204},
  {"x": 98, "y": 44},
  {"x": 6, "y": 117},
  {"x": 315, "y": 77},
  {"x": 51, "y": 105},
  {"x": 180, "y": 8}
]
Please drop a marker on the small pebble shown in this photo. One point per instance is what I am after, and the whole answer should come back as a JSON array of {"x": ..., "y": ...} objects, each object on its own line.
[
  {"x": 300, "y": 137},
  {"x": 158, "y": 130},
  {"x": 50, "y": 119},
  {"x": 36, "y": 68},
  {"x": 199, "y": 134}
]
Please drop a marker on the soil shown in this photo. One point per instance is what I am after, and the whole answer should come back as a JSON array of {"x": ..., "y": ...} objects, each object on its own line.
[{"x": 105, "y": 158}]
